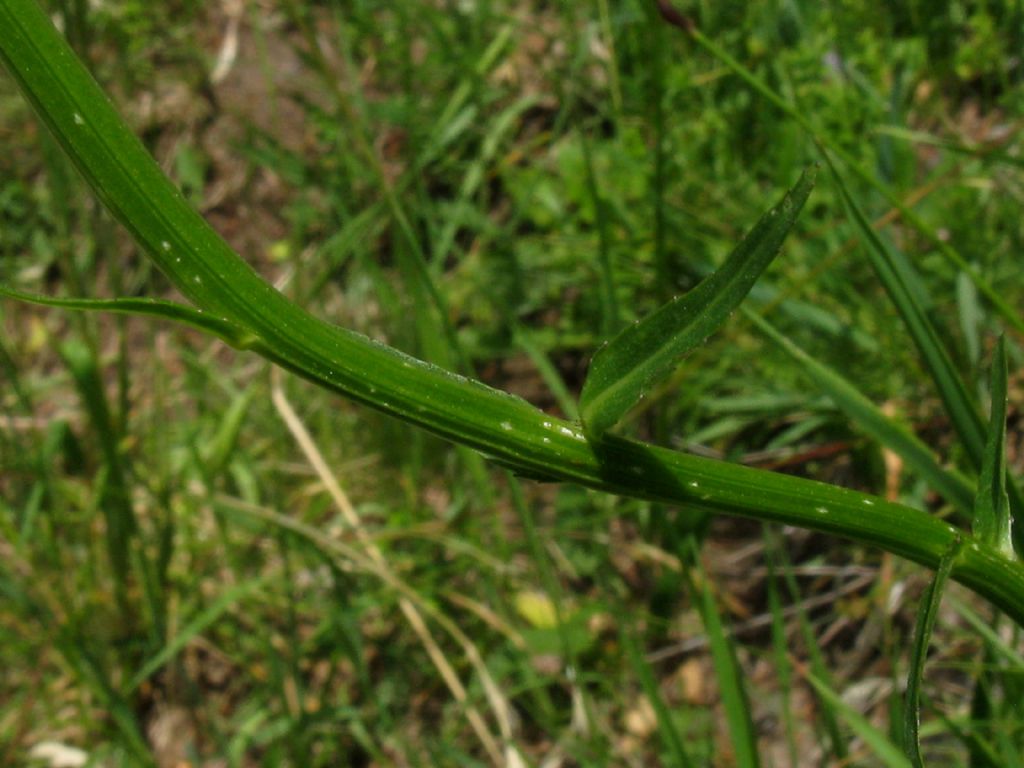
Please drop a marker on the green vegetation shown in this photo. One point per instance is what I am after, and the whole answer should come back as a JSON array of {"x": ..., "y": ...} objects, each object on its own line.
[{"x": 205, "y": 558}]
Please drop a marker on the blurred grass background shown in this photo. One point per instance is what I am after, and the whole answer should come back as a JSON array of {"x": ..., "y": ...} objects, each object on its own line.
[{"x": 496, "y": 187}]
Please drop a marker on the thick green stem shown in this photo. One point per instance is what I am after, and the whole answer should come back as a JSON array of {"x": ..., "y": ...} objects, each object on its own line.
[{"x": 501, "y": 426}]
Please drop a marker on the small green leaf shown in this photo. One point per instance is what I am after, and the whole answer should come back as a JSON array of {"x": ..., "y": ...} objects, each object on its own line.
[
  {"x": 926, "y": 615},
  {"x": 165, "y": 310},
  {"x": 644, "y": 353},
  {"x": 992, "y": 505}
]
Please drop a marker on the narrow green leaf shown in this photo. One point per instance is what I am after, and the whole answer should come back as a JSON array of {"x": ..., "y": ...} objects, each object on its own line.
[
  {"x": 896, "y": 274},
  {"x": 115, "y": 494},
  {"x": 876, "y": 740},
  {"x": 672, "y": 740},
  {"x": 926, "y": 615},
  {"x": 992, "y": 505},
  {"x": 780, "y": 648},
  {"x": 970, "y": 315},
  {"x": 200, "y": 622},
  {"x": 548, "y": 373},
  {"x": 93, "y": 674},
  {"x": 870, "y": 418},
  {"x": 1002, "y": 647},
  {"x": 218, "y": 451},
  {"x": 818, "y": 666},
  {"x": 730, "y": 681},
  {"x": 644, "y": 353},
  {"x": 164, "y": 310},
  {"x": 610, "y": 322},
  {"x": 950, "y": 386}
]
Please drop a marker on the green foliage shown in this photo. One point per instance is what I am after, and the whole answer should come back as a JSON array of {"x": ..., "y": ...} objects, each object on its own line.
[
  {"x": 992, "y": 505},
  {"x": 926, "y": 617},
  {"x": 498, "y": 190},
  {"x": 627, "y": 367}
]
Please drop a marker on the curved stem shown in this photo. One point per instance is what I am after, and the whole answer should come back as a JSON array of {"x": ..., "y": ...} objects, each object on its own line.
[{"x": 503, "y": 427}]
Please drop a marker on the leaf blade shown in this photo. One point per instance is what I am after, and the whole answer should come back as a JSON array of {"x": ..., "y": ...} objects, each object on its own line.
[
  {"x": 877, "y": 741},
  {"x": 729, "y": 675},
  {"x": 896, "y": 274},
  {"x": 624, "y": 369},
  {"x": 868, "y": 417},
  {"x": 159, "y": 308},
  {"x": 992, "y": 504},
  {"x": 927, "y": 614}
]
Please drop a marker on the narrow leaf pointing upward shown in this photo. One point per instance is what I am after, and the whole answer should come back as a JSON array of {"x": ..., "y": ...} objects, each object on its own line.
[
  {"x": 645, "y": 352},
  {"x": 992, "y": 506}
]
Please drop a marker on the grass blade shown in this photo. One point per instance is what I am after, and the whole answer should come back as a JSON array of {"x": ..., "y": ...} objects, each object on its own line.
[
  {"x": 548, "y": 373},
  {"x": 957, "y": 401},
  {"x": 730, "y": 679},
  {"x": 90, "y": 669},
  {"x": 217, "y": 453},
  {"x": 876, "y": 740},
  {"x": 115, "y": 495},
  {"x": 780, "y": 650},
  {"x": 926, "y": 615},
  {"x": 997, "y": 645},
  {"x": 992, "y": 506},
  {"x": 627, "y": 367},
  {"x": 671, "y": 739},
  {"x": 610, "y": 315},
  {"x": 955, "y": 398},
  {"x": 200, "y": 622},
  {"x": 671, "y": 15},
  {"x": 816, "y": 656},
  {"x": 870, "y": 418}
]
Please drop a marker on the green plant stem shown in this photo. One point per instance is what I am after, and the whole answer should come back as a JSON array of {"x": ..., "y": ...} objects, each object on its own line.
[
  {"x": 414, "y": 262},
  {"x": 508, "y": 429}
]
